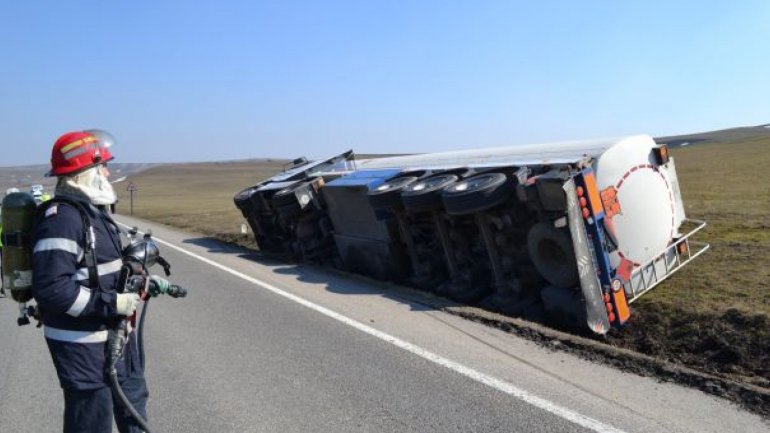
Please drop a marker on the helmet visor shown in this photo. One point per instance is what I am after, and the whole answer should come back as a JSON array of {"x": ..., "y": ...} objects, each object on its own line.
[
  {"x": 105, "y": 138},
  {"x": 105, "y": 141}
]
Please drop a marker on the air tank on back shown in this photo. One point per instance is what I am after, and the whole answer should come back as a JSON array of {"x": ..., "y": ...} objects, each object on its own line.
[{"x": 17, "y": 218}]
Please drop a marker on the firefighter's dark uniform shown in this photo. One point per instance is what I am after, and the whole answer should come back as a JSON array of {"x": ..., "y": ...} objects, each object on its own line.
[{"x": 76, "y": 317}]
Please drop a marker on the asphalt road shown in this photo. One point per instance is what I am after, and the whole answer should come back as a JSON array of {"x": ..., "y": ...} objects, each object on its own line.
[{"x": 261, "y": 346}]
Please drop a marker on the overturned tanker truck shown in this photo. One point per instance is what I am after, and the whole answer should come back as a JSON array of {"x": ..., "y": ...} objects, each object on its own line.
[{"x": 566, "y": 233}]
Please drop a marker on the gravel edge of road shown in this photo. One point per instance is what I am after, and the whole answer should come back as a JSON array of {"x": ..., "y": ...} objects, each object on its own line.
[{"x": 750, "y": 397}]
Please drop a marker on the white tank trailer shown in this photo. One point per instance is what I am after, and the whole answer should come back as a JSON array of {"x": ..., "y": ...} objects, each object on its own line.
[{"x": 565, "y": 233}]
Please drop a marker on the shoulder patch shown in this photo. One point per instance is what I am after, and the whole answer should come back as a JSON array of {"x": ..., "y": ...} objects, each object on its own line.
[{"x": 52, "y": 210}]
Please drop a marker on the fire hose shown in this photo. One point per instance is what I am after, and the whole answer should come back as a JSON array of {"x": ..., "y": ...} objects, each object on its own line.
[{"x": 138, "y": 257}]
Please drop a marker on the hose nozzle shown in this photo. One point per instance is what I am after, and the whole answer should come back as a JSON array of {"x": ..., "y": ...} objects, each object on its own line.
[{"x": 177, "y": 291}]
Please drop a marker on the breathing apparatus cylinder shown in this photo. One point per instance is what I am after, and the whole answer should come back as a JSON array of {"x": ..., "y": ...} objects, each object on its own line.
[{"x": 18, "y": 215}]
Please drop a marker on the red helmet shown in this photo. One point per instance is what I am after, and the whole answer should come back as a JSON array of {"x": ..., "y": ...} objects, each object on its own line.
[{"x": 76, "y": 151}]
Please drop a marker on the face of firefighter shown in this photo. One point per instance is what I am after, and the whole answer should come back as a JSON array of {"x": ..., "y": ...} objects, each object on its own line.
[{"x": 92, "y": 183}]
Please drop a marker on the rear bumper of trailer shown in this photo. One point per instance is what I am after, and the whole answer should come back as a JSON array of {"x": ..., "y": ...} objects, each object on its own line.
[{"x": 681, "y": 252}]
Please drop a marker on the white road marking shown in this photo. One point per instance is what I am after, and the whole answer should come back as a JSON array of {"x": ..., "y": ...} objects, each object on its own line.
[{"x": 500, "y": 385}]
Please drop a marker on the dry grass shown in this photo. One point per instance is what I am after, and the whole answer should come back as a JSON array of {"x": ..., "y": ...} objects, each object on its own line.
[
  {"x": 728, "y": 185},
  {"x": 196, "y": 197}
]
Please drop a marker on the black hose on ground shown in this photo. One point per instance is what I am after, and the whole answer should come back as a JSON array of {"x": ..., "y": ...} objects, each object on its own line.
[{"x": 127, "y": 404}]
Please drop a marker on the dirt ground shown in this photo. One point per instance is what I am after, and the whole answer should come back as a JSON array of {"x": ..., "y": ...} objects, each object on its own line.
[
  {"x": 721, "y": 360},
  {"x": 733, "y": 344}
]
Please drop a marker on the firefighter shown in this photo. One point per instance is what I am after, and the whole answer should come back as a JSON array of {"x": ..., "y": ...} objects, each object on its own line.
[{"x": 76, "y": 307}]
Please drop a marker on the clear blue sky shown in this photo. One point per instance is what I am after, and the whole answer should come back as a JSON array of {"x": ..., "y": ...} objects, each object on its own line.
[{"x": 195, "y": 81}]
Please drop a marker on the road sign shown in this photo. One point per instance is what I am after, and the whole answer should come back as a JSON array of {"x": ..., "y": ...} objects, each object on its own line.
[{"x": 131, "y": 188}]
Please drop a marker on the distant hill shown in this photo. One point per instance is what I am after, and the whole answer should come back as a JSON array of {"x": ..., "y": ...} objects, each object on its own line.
[
  {"x": 23, "y": 177},
  {"x": 721, "y": 136}
]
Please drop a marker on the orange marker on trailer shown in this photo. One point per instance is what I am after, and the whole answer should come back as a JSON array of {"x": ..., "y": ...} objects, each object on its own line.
[{"x": 620, "y": 302}]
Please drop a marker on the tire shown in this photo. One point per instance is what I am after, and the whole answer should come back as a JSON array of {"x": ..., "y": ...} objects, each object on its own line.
[
  {"x": 425, "y": 195},
  {"x": 413, "y": 173},
  {"x": 388, "y": 195},
  {"x": 550, "y": 250},
  {"x": 477, "y": 193},
  {"x": 461, "y": 173}
]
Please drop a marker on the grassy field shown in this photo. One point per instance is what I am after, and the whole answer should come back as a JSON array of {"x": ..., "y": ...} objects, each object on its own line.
[
  {"x": 196, "y": 197},
  {"x": 729, "y": 187},
  {"x": 712, "y": 315}
]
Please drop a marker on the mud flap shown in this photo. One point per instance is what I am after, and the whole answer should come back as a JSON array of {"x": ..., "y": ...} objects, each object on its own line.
[{"x": 596, "y": 312}]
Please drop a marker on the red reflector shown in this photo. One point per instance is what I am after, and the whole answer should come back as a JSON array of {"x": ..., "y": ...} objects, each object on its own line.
[{"x": 682, "y": 248}]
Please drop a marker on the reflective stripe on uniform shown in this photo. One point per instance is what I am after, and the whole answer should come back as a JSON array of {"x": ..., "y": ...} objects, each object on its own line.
[
  {"x": 103, "y": 269},
  {"x": 80, "y": 303},
  {"x": 75, "y": 336},
  {"x": 59, "y": 244}
]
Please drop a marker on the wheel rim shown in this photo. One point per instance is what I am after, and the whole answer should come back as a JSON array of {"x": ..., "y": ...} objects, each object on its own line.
[
  {"x": 394, "y": 184},
  {"x": 474, "y": 183},
  {"x": 430, "y": 183}
]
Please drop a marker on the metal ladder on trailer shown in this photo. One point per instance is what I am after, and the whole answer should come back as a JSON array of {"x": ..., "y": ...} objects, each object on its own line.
[{"x": 674, "y": 257}]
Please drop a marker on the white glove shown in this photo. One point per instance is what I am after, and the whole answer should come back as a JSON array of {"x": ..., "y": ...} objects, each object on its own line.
[{"x": 126, "y": 303}]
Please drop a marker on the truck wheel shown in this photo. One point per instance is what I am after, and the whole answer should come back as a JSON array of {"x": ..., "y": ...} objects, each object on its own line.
[
  {"x": 461, "y": 173},
  {"x": 388, "y": 195},
  {"x": 425, "y": 195},
  {"x": 477, "y": 193},
  {"x": 551, "y": 252}
]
